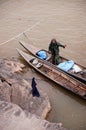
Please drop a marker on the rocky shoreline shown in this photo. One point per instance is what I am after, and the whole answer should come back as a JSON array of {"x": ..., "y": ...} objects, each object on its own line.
[{"x": 18, "y": 108}]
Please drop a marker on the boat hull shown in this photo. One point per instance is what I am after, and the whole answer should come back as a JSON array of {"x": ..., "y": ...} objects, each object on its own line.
[
  {"x": 58, "y": 77},
  {"x": 81, "y": 76}
]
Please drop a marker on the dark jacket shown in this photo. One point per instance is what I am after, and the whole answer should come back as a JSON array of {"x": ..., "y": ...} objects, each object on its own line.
[
  {"x": 54, "y": 48},
  {"x": 35, "y": 91}
]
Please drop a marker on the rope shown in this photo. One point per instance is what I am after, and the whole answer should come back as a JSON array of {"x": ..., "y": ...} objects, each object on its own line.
[{"x": 22, "y": 33}]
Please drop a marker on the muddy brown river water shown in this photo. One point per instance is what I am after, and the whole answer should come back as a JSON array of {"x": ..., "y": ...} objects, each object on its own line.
[{"x": 37, "y": 22}]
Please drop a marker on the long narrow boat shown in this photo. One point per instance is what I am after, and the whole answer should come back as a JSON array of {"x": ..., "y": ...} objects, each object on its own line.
[
  {"x": 59, "y": 77},
  {"x": 81, "y": 76}
]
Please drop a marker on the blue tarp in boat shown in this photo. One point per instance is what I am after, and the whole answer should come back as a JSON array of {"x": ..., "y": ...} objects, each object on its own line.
[
  {"x": 42, "y": 55},
  {"x": 66, "y": 66}
]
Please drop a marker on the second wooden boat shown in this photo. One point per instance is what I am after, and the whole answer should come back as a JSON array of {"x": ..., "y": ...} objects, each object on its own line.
[
  {"x": 81, "y": 76},
  {"x": 57, "y": 76}
]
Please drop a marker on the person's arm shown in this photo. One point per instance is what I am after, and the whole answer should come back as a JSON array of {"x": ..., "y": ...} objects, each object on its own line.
[
  {"x": 59, "y": 44},
  {"x": 50, "y": 46}
]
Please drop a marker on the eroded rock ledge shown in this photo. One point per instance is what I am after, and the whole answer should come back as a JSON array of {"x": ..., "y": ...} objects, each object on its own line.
[
  {"x": 18, "y": 108},
  {"x": 12, "y": 117}
]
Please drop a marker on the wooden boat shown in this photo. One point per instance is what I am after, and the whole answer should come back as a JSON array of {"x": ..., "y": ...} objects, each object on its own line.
[
  {"x": 81, "y": 76},
  {"x": 59, "y": 77}
]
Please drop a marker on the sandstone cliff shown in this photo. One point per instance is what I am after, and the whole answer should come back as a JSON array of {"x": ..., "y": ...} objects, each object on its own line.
[{"x": 19, "y": 110}]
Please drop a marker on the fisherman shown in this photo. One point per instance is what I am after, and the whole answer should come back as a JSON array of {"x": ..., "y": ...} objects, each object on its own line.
[
  {"x": 35, "y": 91},
  {"x": 54, "y": 50}
]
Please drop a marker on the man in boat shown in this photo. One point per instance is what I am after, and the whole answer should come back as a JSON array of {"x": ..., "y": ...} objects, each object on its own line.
[
  {"x": 54, "y": 50},
  {"x": 35, "y": 91}
]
